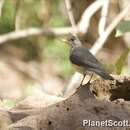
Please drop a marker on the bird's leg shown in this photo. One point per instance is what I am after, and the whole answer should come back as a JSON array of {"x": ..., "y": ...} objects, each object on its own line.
[
  {"x": 84, "y": 75},
  {"x": 90, "y": 78}
]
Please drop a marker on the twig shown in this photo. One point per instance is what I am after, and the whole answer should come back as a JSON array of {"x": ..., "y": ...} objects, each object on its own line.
[
  {"x": 35, "y": 31},
  {"x": 102, "y": 21},
  {"x": 86, "y": 16},
  {"x": 17, "y": 15},
  {"x": 72, "y": 85},
  {"x": 101, "y": 40},
  {"x": 70, "y": 14}
]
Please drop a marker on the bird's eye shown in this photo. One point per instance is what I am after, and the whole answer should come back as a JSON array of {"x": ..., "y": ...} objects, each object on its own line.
[{"x": 72, "y": 39}]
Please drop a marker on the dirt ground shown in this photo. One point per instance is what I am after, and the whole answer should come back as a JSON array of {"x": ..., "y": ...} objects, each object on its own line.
[{"x": 98, "y": 101}]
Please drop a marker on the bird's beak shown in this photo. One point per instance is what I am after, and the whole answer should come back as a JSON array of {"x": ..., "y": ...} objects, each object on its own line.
[{"x": 64, "y": 40}]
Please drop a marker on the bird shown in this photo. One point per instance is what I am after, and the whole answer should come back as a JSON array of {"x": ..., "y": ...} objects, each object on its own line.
[{"x": 82, "y": 57}]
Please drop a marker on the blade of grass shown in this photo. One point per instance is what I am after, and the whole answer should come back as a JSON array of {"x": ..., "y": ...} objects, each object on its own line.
[{"x": 121, "y": 61}]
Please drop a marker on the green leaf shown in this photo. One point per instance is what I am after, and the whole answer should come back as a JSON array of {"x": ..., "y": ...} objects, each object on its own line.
[
  {"x": 123, "y": 27},
  {"x": 121, "y": 61}
]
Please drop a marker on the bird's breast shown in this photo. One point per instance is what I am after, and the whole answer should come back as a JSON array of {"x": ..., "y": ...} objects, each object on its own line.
[{"x": 79, "y": 69}]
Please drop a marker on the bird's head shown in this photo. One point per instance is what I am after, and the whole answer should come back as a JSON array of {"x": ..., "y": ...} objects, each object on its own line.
[{"x": 74, "y": 41}]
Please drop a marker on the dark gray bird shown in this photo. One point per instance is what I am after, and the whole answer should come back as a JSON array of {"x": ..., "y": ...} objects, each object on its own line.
[{"x": 80, "y": 55}]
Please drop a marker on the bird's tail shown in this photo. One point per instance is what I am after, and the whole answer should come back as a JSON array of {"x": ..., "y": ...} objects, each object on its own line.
[{"x": 103, "y": 74}]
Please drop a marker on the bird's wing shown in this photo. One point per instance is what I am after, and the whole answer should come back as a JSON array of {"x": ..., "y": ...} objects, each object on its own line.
[{"x": 82, "y": 57}]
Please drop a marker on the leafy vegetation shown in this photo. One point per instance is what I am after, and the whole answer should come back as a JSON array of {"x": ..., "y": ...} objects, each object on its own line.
[{"x": 122, "y": 28}]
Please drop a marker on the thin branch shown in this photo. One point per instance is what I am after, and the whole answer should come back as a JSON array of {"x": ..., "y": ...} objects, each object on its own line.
[
  {"x": 34, "y": 31},
  {"x": 70, "y": 14},
  {"x": 102, "y": 21},
  {"x": 73, "y": 84},
  {"x": 88, "y": 13},
  {"x": 101, "y": 40},
  {"x": 17, "y": 15}
]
